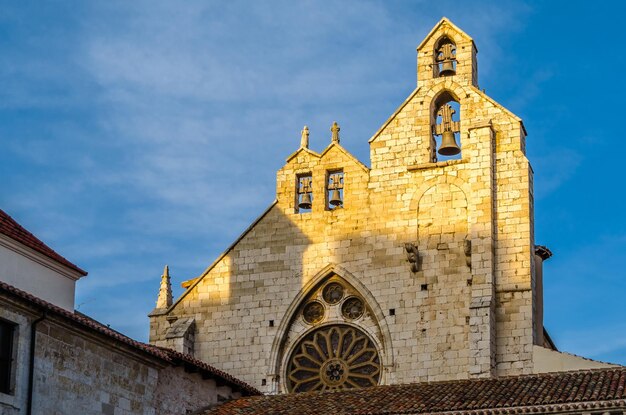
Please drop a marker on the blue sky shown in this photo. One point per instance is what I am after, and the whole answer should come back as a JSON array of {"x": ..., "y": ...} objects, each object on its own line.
[{"x": 136, "y": 134}]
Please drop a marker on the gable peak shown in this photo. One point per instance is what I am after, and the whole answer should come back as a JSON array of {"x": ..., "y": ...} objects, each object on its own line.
[{"x": 444, "y": 25}]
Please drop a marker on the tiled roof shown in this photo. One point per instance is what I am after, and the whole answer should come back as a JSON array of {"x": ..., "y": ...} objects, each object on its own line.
[
  {"x": 15, "y": 231},
  {"x": 171, "y": 357},
  {"x": 544, "y": 393}
]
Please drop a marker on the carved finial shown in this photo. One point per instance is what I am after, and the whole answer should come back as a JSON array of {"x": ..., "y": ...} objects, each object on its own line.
[
  {"x": 335, "y": 130},
  {"x": 164, "y": 300},
  {"x": 304, "y": 138}
]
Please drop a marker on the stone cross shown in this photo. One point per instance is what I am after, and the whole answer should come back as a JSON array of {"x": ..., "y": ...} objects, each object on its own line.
[
  {"x": 304, "y": 137},
  {"x": 335, "y": 133}
]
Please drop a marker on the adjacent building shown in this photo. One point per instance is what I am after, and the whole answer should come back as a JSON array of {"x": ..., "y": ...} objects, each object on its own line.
[
  {"x": 54, "y": 360},
  {"x": 30, "y": 265}
]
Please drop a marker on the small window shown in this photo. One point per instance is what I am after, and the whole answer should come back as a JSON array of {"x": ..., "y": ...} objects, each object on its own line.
[
  {"x": 304, "y": 193},
  {"x": 7, "y": 334},
  {"x": 334, "y": 189}
]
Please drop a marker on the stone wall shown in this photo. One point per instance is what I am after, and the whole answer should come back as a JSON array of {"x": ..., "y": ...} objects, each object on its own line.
[
  {"x": 78, "y": 374},
  {"x": 78, "y": 371}
]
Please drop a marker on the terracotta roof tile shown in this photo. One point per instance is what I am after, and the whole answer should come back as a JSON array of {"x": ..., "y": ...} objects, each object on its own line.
[
  {"x": 170, "y": 356},
  {"x": 15, "y": 231},
  {"x": 543, "y": 393}
]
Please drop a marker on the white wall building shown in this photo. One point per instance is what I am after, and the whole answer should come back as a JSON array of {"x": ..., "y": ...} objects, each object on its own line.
[{"x": 32, "y": 266}]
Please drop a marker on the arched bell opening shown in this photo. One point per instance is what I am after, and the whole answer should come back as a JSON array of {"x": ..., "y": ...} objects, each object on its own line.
[
  {"x": 304, "y": 192},
  {"x": 445, "y": 57},
  {"x": 446, "y": 127},
  {"x": 334, "y": 189}
]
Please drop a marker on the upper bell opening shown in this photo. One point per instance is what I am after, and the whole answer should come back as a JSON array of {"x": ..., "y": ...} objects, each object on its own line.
[{"x": 445, "y": 57}]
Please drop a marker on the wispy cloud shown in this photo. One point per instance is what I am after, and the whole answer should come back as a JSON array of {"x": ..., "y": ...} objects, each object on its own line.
[
  {"x": 600, "y": 343},
  {"x": 554, "y": 168},
  {"x": 169, "y": 122},
  {"x": 584, "y": 316}
]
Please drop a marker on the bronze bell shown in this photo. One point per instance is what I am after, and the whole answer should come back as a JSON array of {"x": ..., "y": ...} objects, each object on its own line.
[
  {"x": 335, "y": 198},
  {"x": 448, "y": 145},
  {"x": 305, "y": 201},
  {"x": 447, "y": 68}
]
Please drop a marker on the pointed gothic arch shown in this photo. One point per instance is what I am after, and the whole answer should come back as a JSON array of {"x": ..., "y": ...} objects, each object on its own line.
[{"x": 283, "y": 344}]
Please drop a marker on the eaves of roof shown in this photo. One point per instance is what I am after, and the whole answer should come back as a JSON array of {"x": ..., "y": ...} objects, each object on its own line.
[
  {"x": 167, "y": 356},
  {"x": 539, "y": 393},
  {"x": 15, "y": 231}
]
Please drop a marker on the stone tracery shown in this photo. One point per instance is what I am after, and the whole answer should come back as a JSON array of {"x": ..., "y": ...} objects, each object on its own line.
[
  {"x": 313, "y": 312},
  {"x": 333, "y": 340},
  {"x": 333, "y": 293},
  {"x": 333, "y": 357},
  {"x": 352, "y": 308}
]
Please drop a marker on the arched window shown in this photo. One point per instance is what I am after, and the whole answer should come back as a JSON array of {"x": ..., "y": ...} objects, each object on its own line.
[
  {"x": 331, "y": 347},
  {"x": 445, "y": 57},
  {"x": 446, "y": 126}
]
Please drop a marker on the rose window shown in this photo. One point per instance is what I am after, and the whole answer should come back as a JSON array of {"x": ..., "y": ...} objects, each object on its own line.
[
  {"x": 333, "y": 357},
  {"x": 313, "y": 312},
  {"x": 352, "y": 308},
  {"x": 333, "y": 293}
]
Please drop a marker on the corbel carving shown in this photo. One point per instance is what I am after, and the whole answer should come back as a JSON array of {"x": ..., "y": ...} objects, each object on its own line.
[
  {"x": 467, "y": 249},
  {"x": 412, "y": 256}
]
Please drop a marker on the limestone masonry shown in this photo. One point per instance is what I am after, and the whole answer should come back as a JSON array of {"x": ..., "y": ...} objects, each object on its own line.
[{"x": 421, "y": 267}]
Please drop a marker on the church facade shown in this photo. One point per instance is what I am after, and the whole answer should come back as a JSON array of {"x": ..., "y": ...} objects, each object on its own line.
[{"x": 421, "y": 267}]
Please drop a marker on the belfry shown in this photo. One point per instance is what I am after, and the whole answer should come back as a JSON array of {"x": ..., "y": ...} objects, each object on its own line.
[{"x": 421, "y": 267}]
